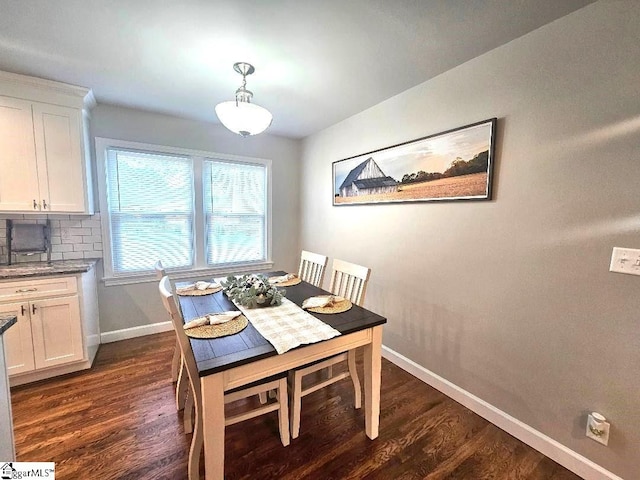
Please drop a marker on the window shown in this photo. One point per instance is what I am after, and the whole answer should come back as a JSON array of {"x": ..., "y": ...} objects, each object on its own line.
[
  {"x": 195, "y": 211},
  {"x": 235, "y": 212},
  {"x": 150, "y": 200}
]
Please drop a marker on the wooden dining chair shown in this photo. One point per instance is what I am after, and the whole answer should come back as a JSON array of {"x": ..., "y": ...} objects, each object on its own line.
[
  {"x": 277, "y": 383},
  {"x": 178, "y": 373},
  {"x": 348, "y": 280},
  {"x": 312, "y": 267},
  {"x": 184, "y": 400}
]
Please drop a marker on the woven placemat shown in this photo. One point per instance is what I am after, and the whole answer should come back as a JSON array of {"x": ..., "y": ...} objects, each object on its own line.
[
  {"x": 288, "y": 283},
  {"x": 336, "y": 307},
  {"x": 194, "y": 292},
  {"x": 220, "y": 330}
]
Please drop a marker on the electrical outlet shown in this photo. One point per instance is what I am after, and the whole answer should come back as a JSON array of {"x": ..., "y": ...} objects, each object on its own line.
[
  {"x": 625, "y": 260},
  {"x": 598, "y": 428}
]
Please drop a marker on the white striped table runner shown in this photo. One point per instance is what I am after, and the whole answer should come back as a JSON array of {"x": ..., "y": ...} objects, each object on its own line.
[{"x": 287, "y": 326}]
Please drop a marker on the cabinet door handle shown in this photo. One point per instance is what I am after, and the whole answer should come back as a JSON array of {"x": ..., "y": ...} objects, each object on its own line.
[
  {"x": 44, "y": 204},
  {"x": 22, "y": 310},
  {"x": 24, "y": 290},
  {"x": 35, "y": 204},
  {"x": 33, "y": 308}
]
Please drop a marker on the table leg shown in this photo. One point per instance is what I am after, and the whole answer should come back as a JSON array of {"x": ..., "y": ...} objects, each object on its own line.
[
  {"x": 372, "y": 374},
  {"x": 213, "y": 425}
]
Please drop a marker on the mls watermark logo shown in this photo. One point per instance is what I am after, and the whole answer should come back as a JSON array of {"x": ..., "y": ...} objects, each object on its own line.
[{"x": 20, "y": 470}]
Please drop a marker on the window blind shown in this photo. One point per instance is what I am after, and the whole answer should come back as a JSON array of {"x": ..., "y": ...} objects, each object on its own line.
[
  {"x": 151, "y": 212},
  {"x": 235, "y": 206}
]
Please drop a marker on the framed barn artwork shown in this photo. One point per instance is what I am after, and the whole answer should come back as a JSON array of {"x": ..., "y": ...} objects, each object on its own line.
[{"x": 452, "y": 165}]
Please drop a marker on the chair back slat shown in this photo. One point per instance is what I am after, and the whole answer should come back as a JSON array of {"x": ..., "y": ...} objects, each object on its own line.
[
  {"x": 312, "y": 266},
  {"x": 349, "y": 280},
  {"x": 171, "y": 307}
]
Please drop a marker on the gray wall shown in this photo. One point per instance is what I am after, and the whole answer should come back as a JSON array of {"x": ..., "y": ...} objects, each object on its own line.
[
  {"x": 512, "y": 299},
  {"x": 128, "y": 305}
]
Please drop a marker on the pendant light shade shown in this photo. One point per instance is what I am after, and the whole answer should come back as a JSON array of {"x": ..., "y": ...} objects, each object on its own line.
[
  {"x": 240, "y": 115},
  {"x": 243, "y": 118}
]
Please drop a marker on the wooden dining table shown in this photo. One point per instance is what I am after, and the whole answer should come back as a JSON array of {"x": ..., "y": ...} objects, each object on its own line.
[{"x": 236, "y": 360}]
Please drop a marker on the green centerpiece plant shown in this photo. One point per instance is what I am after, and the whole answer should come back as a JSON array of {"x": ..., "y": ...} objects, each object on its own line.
[{"x": 252, "y": 291}]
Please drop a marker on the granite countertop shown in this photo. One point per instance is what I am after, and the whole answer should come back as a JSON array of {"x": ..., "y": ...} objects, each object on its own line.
[
  {"x": 6, "y": 321},
  {"x": 38, "y": 269}
]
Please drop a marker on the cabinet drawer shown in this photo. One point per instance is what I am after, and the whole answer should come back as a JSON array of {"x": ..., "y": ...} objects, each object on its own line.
[{"x": 37, "y": 288}]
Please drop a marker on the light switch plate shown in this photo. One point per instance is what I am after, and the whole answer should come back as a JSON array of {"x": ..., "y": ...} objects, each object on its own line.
[{"x": 625, "y": 260}]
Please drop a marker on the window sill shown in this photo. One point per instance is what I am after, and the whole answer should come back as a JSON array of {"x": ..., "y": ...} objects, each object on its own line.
[{"x": 194, "y": 274}]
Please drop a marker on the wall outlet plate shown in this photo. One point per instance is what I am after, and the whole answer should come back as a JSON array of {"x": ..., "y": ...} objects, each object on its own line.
[
  {"x": 598, "y": 430},
  {"x": 625, "y": 260}
]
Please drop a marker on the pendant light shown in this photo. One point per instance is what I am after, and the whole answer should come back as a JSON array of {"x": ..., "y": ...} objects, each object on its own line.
[{"x": 240, "y": 115}]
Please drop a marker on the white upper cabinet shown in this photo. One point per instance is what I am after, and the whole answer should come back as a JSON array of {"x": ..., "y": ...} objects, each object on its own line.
[
  {"x": 44, "y": 159},
  {"x": 17, "y": 155},
  {"x": 61, "y": 178}
]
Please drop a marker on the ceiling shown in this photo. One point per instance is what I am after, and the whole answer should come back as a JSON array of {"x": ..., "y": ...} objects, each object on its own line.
[{"x": 317, "y": 61}]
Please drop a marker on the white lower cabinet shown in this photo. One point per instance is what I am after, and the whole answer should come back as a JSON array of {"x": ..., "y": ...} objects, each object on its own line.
[
  {"x": 55, "y": 333},
  {"x": 48, "y": 333},
  {"x": 18, "y": 343}
]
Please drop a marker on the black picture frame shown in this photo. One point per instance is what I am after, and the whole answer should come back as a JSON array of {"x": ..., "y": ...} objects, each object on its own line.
[{"x": 456, "y": 164}]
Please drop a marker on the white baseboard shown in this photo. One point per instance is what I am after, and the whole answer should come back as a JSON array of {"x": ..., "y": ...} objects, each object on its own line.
[
  {"x": 546, "y": 445},
  {"x": 133, "y": 332}
]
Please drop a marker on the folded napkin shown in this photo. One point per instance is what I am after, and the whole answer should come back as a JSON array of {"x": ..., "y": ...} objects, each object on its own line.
[
  {"x": 321, "y": 301},
  {"x": 212, "y": 319},
  {"x": 282, "y": 278},
  {"x": 198, "y": 286}
]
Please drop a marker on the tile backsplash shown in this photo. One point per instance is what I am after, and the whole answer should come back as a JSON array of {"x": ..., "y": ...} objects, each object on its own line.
[{"x": 72, "y": 237}]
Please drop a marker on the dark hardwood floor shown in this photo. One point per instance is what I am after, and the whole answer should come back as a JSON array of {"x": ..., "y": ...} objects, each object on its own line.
[{"x": 118, "y": 421}]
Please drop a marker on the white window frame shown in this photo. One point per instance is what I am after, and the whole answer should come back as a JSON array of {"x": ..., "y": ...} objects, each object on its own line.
[{"x": 200, "y": 268}]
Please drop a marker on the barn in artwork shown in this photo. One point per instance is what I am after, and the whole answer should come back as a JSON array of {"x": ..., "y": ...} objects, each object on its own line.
[{"x": 367, "y": 179}]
